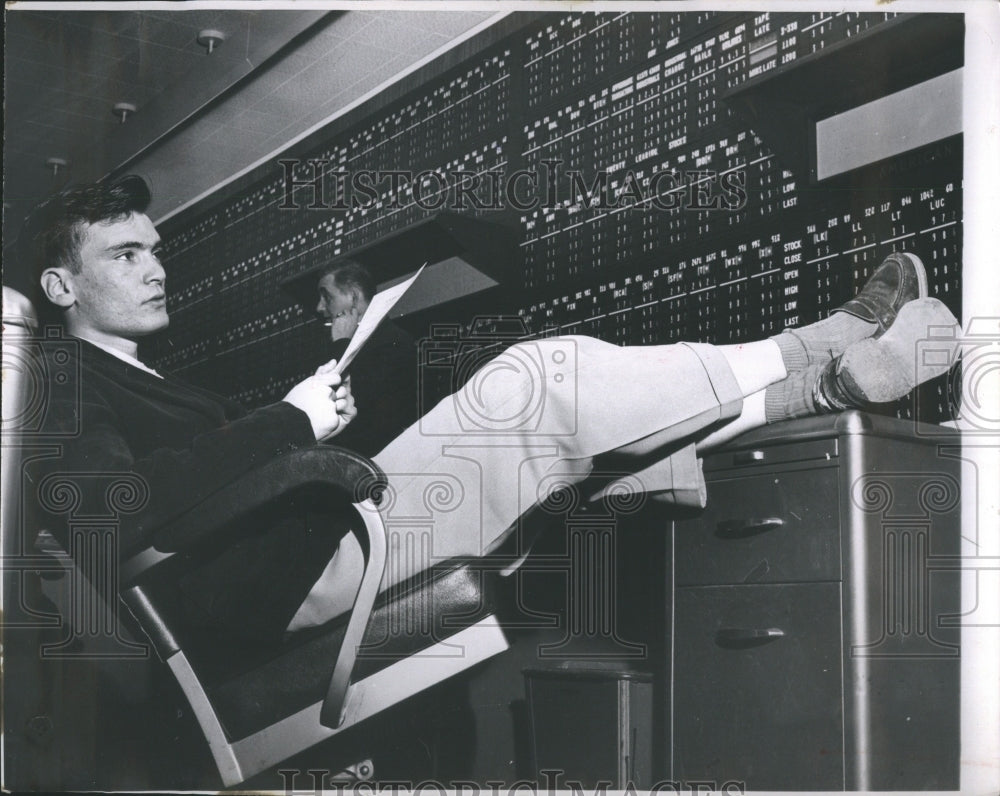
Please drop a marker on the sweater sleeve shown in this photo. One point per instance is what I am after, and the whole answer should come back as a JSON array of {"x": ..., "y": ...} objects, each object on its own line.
[{"x": 169, "y": 480}]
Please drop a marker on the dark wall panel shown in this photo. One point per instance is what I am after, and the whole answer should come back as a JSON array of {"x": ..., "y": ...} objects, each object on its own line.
[{"x": 665, "y": 188}]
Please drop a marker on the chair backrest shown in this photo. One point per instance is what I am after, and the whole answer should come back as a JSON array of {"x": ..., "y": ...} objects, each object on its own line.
[
  {"x": 20, "y": 392},
  {"x": 23, "y": 411}
]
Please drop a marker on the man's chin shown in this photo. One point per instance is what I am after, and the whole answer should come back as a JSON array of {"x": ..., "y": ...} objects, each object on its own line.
[{"x": 157, "y": 324}]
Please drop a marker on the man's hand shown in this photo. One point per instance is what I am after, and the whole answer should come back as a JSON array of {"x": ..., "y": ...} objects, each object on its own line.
[
  {"x": 345, "y": 324},
  {"x": 326, "y": 399}
]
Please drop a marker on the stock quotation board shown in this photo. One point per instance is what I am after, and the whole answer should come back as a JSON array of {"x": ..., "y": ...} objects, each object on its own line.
[{"x": 634, "y": 158}]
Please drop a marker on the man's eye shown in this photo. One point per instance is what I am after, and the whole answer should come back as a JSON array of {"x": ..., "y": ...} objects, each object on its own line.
[{"x": 127, "y": 256}]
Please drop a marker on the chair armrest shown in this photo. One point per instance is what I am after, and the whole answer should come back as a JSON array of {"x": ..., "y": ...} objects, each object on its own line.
[
  {"x": 352, "y": 476},
  {"x": 332, "y": 712}
]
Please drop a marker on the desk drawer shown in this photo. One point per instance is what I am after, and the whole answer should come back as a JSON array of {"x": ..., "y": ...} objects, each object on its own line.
[
  {"x": 763, "y": 528},
  {"x": 770, "y": 454},
  {"x": 757, "y": 696}
]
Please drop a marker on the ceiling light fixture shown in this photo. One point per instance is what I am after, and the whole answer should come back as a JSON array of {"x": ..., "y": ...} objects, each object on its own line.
[
  {"x": 122, "y": 110},
  {"x": 55, "y": 164},
  {"x": 210, "y": 39}
]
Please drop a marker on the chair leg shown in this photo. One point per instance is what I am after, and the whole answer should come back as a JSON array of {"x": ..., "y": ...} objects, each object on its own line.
[
  {"x": 226, "y": 761},
  {"x": 377, "y": 692}
]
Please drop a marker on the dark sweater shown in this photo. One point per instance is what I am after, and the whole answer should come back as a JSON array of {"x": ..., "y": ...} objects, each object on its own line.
[{"x": 185, "y": 443}]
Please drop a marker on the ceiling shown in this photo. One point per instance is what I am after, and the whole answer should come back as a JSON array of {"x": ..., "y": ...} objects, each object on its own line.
[{"x": 201, "y": 118}]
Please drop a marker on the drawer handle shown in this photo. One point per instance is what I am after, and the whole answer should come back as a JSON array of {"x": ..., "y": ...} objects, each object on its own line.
[
  {"x": 748, "y": 457},
  {"x": 741, "y": 638},
  {"x": 750, "y": 526}
]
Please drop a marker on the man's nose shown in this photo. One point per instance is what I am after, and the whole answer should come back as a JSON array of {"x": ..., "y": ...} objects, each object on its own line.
[{"x": 155, "y": 274}]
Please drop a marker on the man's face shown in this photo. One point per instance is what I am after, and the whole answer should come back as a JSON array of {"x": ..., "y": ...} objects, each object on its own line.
[
  {"x": 338, "y": 307},
  {"x": 120, "y": 289}
]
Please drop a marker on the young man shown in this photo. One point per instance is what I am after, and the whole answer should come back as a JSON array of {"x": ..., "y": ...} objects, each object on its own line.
[{"x": 531, "y": 418}]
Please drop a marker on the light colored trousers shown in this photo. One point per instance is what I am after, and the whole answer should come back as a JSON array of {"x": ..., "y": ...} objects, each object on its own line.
[{"x": 527, "y": 423}]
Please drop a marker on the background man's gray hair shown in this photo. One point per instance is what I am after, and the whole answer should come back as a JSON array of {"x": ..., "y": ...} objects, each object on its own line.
[{"x": 347, "y": 275}]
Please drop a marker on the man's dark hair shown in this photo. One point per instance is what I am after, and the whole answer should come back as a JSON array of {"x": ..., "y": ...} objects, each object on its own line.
[
  {"x": 347, "y": 275},
  {"x": 53, "y": 232}
]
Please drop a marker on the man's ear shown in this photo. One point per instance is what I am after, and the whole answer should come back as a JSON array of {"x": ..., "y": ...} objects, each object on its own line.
[
  {"x": 358, "y": 300},
  {"x": 58, "y": 286}
]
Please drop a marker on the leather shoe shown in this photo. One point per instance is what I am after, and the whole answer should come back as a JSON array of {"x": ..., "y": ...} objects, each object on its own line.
[{"x": 900, "y": 278}]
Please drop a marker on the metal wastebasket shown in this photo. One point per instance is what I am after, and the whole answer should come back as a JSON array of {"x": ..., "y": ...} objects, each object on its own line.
[{"x": 592, "y": 725}]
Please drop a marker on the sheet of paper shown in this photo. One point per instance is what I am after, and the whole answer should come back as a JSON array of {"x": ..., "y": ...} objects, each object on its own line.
[{"x": 378, "y": 308}]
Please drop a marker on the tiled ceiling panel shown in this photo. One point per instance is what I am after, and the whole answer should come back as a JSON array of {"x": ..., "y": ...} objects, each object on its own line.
[
  {"x": 342, "y": 60},
  {"x": 201, "y": 118}
]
